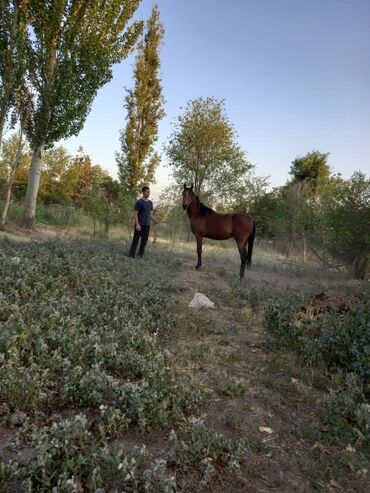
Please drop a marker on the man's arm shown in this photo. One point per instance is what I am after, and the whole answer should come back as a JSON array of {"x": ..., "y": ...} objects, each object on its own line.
[{"x": 136, "y": 219}]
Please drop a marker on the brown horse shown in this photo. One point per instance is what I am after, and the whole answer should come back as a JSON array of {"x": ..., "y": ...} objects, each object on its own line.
[{"x": 206, "y": 223}]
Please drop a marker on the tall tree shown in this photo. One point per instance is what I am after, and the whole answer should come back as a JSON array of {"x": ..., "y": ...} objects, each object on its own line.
[
  {"x": 55, "y": 165},
  {"x": 144, "y": 105},
  {"x": 345, "y": 209},
  {"x": 310, "y": 173},
  {"x": 14, "y": 151},
  {"x": 74, "y": 45},
  {"x": 80, "y": 177},
  {"x": 202, "y": 149},
  {"x": 312, "y": 168},
  {"x": 14, "y": 42}
]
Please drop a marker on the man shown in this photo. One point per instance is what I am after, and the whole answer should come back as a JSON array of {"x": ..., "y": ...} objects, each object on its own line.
[{"x": 143, "y": 214}]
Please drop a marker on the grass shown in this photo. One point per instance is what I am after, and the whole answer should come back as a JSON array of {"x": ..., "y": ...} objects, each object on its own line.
[
  {"x": 98, "y": 398},
  {"x": 83, "y": 362},
  {"x": 55, "y": 215}
]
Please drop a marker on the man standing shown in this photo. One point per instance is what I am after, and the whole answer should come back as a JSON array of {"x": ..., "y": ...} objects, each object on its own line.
[{"x": 143, "y": 214}]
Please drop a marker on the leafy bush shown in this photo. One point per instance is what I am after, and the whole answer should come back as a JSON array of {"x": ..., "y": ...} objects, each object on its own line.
[
  {"x": 198, "y": 446},
  {"x": 340, "y": 342},
  {"x": 67, "y": 457},
  {"x": 81, "y": 331}
]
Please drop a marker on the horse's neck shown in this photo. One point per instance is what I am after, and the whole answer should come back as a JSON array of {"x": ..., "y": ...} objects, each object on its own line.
[{"x": 194, "y": 208}]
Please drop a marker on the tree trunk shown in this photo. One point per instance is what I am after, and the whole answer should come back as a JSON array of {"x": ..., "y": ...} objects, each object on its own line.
[
  {"x": 360, "y": 265},
  {"x": 7, "y": 198},
  {"x": 9, "y": 184},
  {"x": 2, "y": 123},
  {"x": 288, "y": 246},
  {"x": 304, "y": 249},
  {"x": 28, "y": 217}
]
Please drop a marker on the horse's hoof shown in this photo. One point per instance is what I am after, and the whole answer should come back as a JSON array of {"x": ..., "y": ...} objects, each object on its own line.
[{"x": 197, "y": 267}]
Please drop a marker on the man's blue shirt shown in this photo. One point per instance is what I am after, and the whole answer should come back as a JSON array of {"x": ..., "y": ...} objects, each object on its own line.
[{"x": 144, "y": 208}]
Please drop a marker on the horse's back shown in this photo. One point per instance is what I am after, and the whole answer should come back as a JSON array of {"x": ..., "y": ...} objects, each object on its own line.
[{"x": 242, "y": 225}]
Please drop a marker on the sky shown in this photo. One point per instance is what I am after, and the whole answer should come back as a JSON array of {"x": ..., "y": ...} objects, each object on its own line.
[{"x": 294, "y": 75}]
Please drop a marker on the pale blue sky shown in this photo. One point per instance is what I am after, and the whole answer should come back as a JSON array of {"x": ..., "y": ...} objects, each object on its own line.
[{"x": 294, "y": 74}]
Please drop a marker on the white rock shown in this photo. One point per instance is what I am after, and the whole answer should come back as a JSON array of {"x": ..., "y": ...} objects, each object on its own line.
[{"x": 201, "y": 301}]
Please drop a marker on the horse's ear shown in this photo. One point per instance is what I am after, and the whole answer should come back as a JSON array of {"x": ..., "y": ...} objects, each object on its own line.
[
  {"x": 184, "y": 186},
  {"x": 192, "y": 186}
]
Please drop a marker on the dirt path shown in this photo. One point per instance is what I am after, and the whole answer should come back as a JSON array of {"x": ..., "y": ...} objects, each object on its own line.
[{"x": 251, "y": 392}]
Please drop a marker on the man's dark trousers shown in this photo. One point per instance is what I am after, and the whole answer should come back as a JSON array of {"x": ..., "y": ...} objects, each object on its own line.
[{"x": 144, "y": 235}]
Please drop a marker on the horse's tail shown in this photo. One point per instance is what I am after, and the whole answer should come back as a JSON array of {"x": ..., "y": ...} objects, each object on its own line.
[{"x": 250, "y": 245}]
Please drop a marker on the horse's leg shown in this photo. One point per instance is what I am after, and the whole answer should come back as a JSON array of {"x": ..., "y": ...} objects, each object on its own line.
[
  {"x": 199, "y": 250},
  {"x": 243, "y": 256}
]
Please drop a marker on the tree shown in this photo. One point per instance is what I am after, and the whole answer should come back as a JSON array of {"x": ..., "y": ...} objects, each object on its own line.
[
  {"x": 14, "y": 42},
  {"x": 144, "y": 104},
  {"x": 312, "y": 168},
  {"x": 80, "y": 177},
  {"x": 202, "y": 150},
  {"x": 346, "y": 221},
  {"x": 55, "y": 166},
  {"x": 74, "y": 45},
  {"x": 101, "y": 203},
  {"x": 169, "y": 210},
  {"x": 310, "y": 173},
  {"x": 14, "y": 152}
]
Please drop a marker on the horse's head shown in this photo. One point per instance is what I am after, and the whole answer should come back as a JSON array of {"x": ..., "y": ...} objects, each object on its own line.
[{"x": 187, "y": 196}]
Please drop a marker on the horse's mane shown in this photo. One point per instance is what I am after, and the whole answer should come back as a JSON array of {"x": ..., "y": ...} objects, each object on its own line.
[{"x": 204, "y": 210}]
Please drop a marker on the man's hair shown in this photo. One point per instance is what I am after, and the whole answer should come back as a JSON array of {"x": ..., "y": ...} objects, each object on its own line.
[{"x": 144, "y": 189}]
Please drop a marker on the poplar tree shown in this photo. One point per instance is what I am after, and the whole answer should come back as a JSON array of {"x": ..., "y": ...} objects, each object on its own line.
[
  {"x": 74, "y": 45},
  {"x": 14, "y": 42},
  {"x": 144, "y": 104}
]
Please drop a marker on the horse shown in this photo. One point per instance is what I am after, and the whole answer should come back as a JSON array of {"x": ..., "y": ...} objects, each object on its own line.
[{"x": 207, "y": 223}]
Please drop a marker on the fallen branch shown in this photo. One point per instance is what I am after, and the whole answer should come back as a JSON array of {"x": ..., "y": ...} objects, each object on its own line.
[{"x": 331, "y": 266}]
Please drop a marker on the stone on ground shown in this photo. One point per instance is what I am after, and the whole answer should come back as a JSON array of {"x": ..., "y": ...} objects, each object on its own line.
[{"x": 201, "y": 301}]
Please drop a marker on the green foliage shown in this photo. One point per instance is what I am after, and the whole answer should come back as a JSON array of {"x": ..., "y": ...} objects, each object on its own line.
[
  {"x": 171, "y": 212},
  {"x": 56, "y": 162},
  {"x": 73, "y": 49},
  {"x": 250, "y": 296},
  {"x": 268, "y": 211},
  {"x": 60, "y": 350},
  {"x": 101, "y": 202},
  {"x": 339, "y": 342},
  {"x": 311, "y": 168},
  {"x": 71, "y": 57},
  {"x": 67, "y": 457},
  {"x": 349, "y": 401},
  {"x": 14, "y": 154},
  {"x": 210, "y": 452},
  {"x": 52, "y": 214},
  {"x": 202, "y": 150},
  {"x": 82, "y": 359},
  {"x": 144, "y": 104},
  {"x": 14, "y": 45},
  {"x": 345, "y": 216}
]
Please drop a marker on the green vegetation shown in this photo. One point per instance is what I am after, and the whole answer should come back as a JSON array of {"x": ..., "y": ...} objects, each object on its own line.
[
  {"x": 337, "y": 341},
  {"x": 82, "y": 361},
  {"x": 145, "y": 108}
]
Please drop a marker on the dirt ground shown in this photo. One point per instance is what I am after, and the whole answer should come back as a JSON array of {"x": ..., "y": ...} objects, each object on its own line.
[{"x": 254, "y": 392}]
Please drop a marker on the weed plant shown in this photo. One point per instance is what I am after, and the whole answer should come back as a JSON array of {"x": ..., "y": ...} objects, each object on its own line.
[
  {"x": 337, "y": 342},
  {"x": 80, "y": 336}
]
